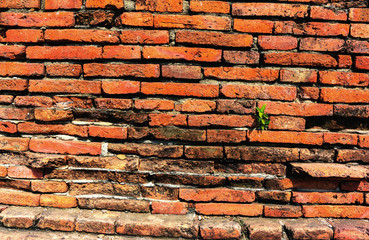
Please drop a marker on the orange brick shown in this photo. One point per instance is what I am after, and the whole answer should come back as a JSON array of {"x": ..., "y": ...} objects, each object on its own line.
[
  {"x": 322, "y": 44},
  {"x": 65, "y": 4},
  {"x": 6, "y": 99},
  {"x": 164, "y": 119},
  {"x": 335, "y": 211},
  {"x": 3, "y": 171},
  {"x": 327, "y": 197},
  {"x": 49, "y": 115},
  {"x": 67, "y": 129},
  {"x": 196, "y": 106},
  {"x": 104, "y": 3},
  {"x": 247, "y": 74},
  {"x": 20, "y": 4},
  {"x": 121, "y": 70},
  {"x": 270, "y": 9},
  {"x": 19, "y": 198},
  {"x": 214, "y": 39},
  {"x": 12, "y": 51},
  {"x": 209, "y": 6},
  {"x": 357, "y": 46},
  {"x": 180, "y": 89},
  {"x": 57, "y": 201},
  {"x": 8, "y": 127},
  {"x": 193, "y": 22},
  {"x": 64, "y": 70},
  {"x": 23, "y": 35},
  {"x": 179, "y": 208},
  {"x": 359, "y": 14},
  {"x": 160, "y": 6},
  {"x": 241, "y": 57},
  {"x": 64, "y": 52},
  {"x": 298, "y": 75},
  {"x": 344, "y": 61},
  {"x": 65, "y": 86},
  {"x": 33, "y": 101},
  {"x": 216, "y": 195},
  {"x": 181, "y": 71},
  {"x": 182, "y": 53},
  {"x": 229, "y": 209},
  {"x": 287, "y": 123},
  {"x": 318, "y": 12},
  {"x": 300, "y": 59},
  {"x": 64, "y": 147},
  {"x": 81, "y": 35},
  {"x": 344, "y": 78},
  {"x": 334, "y": 95},
  {"x": 340, "y": 138},
  {"x": 203, "y": 152},
  {"x": 362, "y": 62},
  {"x": 286, "y": 137},
  {"x": 152, "y": 104},
  {"x": 359, "y": 30},
  {"x": 21, "y": 69},
  {"x": 113, "y": 103},
  {"x": 312, "y": 28},
  {"x": 107, "y": 132},
  {"x": 281, "y": 211},
  {"x": 14, "y": 144},
  {"x": 16, "y": 113},
  {"x": 226, "y": 136},
  {"x": 37, "y": 19},
  {"x": 121, "y": 52},
  {"x": 140, "y": 19},
  {"x": 221, "y": 120},
  {"x": 13, "y": 84},
  {"x": 364, "y": 141},
  {"x": 144, "y": 36},
  {"x": 120, "y": 87},
  {"x": 24, "y": 172},
  {"x": 298, "y": 109},
  {"x": 253, "y": 26},
  {"x": 259, "y": 92},
  {"x": 277, "y": 42}
]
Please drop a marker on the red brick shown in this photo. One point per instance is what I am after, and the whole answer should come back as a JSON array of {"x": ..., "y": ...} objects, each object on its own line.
[
  {"x": 362, "y": 62},
  {"x": 344, "y": 61},
  {"x": 298, "y": 109},
  {"x": 259, "y": 92},
  {"x": 64, "y": 52},
  {"x": 214, "y": 39},
  {"x": 322, "y": 44},
  {"x": 57, "y": 201},
  {"x": 121, "y": 70},
  {"x": 16, "y": 113},
  {"x": 312, "y": 28},
  {"x": 73, "y": 102},
  {"x": 253, "y": 26},
  {"x": 344, "y": 78},
  {"x": 193, "y": 22},
  {"x": 357, "y": 46},
  {"x": 49, "y": 115},
  {"x": 241, "y": 57},
  {"x": 216, "y": 195},
  {"x": 64, "y": 70},
  {"x": 153, "y": 104},
  {"x": 300, "y": 59},
  {"x": 8, "y": 127},
  {"x": 19, "y": 198},
  {"x": 23, "y": 35},
  {"x": 269, "y": 9},
  {"x": 160, "y": 6},
  {"x": 181, "y": 71},
  {"x": 3, "y": 171},
  {"x": 20, "y": 4},
  {"x": 104, "y": 3},
  {"x": 267, "y": 168},
  {"x": 13, "y": 84},
  {"x": 12, "y": 51},
  {"x": 219, "y": 228},
  {"x": 340, "y": 138},
  {"x": 334, "y": 95},
  {"x": 49, "y": 187},
  {"x": 209, "y": 6},
  {"x": 282, "y": 211},
  {"x": 364, "y": 141},
  {"x": 121, "y": 52},
  {"x": 286, "y": 137},
  {"x": 318, "y": 12},
  {"x": 113, "y": 103},
  {"x": 182, "y": 53},
  {"x": 65, "y": 4},
  {"x": 33, "y": 101},
  {"x": 298, "y": 75},
  {"x": 144, "y": 36},
  {"x": 141, "y": 19},
  {"x": 309, "y": 229},
  {"x": 359, "y": 14},
  {"x": 359, "y": 30},
  {"x": 121, "y": 87},
  {"x": 21, "y": 69},
  {"x": 64, "y": 147},
  {"x": 327, "y": 197},
  {"x": 251, "y": 210},
  {"x": 277, "y": 42},
  {"x": 37, "y": 19},
  {"x": 6, "y": 99},
  {"x": 235, "y": 106},
  {"x": 196, "y": 106},
  {"x": 247, "y": 74},
  {"x": 266, "y": 154},
  {"x": 221, "y": 120},
  {"x": 14, "y": 144},
  {"x": 81, "y": 35},
  {"x": 24, "y": 172},
  {"x": 203, "y": 152},
  {"x": 335, "y": 211},
  {"x": 164, "y": 119},
  {"x": 179, "y": 208},
  {"x": 226, "y": 136},
  {"x": 361, "y": 186},
  {"x": 107, "y": 132},
  {"x": 287, "y": 123},
  {"x": 180, "y": 89},
  {"x": 329, "y": 170},
  {"x": 352, "y": 155}
]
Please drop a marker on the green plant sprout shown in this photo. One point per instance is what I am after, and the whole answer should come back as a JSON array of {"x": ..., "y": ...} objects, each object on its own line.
[{"x": 262, "y": 118}]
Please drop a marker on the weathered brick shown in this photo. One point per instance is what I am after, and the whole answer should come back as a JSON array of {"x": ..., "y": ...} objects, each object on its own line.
[
  {"x": 344, "y": 61},
  {"x": 273, "y": 196},
  {"x": 263, "y": 228},
  {"x": 327, "y": 198},
  {"x": 12, "y": 51},
  {"x": 165, "y": 119},
  {"x": 104, "y": 3},
  {"x": 319, "y": 12},
  {"x": 64, "y": 70},
  {"x": 210, "y": 6},
  {"x": 352, "y": 155},
  {"x": 349, "y": 228},
  {"x": 180, "y": 89},
  {"x": 340, "y": 138},
  {"x": 214, "y": 39},
  {"x": 335, "y": 211},
  {"x": 196, "y": 106},
  {"x": 6, "y": 99},
  {"x": 250, "y": 168},
  {"x": 253, "y": 26},
  {"x": 300, "y": 59},
  {"x": 58, "y": 219},
  {"x": 329, "y": 170},
  {"x": 354, "y": 46},
  {"x": 282, "y": 211},
  {"x": 66, "y": 4},
  {"x": 235, "y": 106},
  {"x": 322, "y": 44},
  {"x": 340, "y": 95},
  {"x": 269, "y": 154},
  {"x": 178, "y": 208},
  {"x": 154, "y": 104},
  {"x": 131, "y": 205},
  {"x": 16, "y": 113},
  {"x": 219, "y": 228},
  {"x": 33, "y": 101},
  {"x": 312, "y": 28},
  {"x": 216, "y": 195},
  {"x": 308, "y": 229},
  {"x": 277, "y": 42},
  {"x": 309, "y": 93},
  {"x": 235, "y": 209},
  {"x": 241, "y": 57},
  {"x": 107, "y": 132},
  {"x": 63, "y": 147},
  {"x": 67, "y": 129},
  {"x": 344, "y": 78},
  {"x": 64, "y": 52},
  {"x": 194, "y": 22},
  {"x": 20, "y": 4},
  {"x": 20, "y": 217},
  {"x": 65, "y": 86},
  {"x": 144, "y": 36},
  {"x": 177, "y": 166},
  {"x": 19, "y": 198},
  {"x": 121, "y": 52},
  {"x": 13, "y": 84},
  {"x": 181, "y": 71},
  {"x": 160, "y": 192},
  {"x": 359, "y": 14},
  {"x": 270, "y": 9},
  {"x": 50, "y": 115},
  {"x": 259, "y": 92},
  {"x": 286, "y": 137},
  {"x": 182, "y": 53},
  {"x": 226, "y": 136},
  {"x": 14, "y": 144},
  {"x": 297, "y": 109},
  {"x": 120, "y": 87},
  {"x": 3, "y": 171},
  {"x": 113, "y": 103},
  {"x": 121, "y": 70},
  {"x": 364, "y": 141},
  {"x": 247, "y": 74},
  {"x": 37, "y": 19},
  {"x": 221, "y": 120},
  {"x": 316, "y": 154},
  {"x": 57, "y": 201},
  {"x": 141, "y": 19},
  {"x": 287, "y": 123},
  {"x": 361, "y": 186},
  {"x": 97, "y": 222},
  {"x": 23, "y": 35},
  {"x": 49, "y": 187},
  {"x": 159, "y": 6},
  {"x": 21, "y": 69},
  {"x": 203, "y": 152},
  {"x": 362, "y": 62},
  {"x": 24, "y": 172}
]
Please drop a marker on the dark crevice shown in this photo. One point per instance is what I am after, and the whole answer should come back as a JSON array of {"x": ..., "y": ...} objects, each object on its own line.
[{"x": 337, "y": 123}]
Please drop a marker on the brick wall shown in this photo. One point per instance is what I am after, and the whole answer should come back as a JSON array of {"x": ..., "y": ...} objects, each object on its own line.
[{"x": 149, "y": 106}]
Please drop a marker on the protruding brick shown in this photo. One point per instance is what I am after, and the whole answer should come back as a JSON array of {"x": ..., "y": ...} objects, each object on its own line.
[
  {"x": 359, "y": 14},
  {"x": 329, "y": 170},
  {"x": 234, "y": 209},
  {"x": 350, "y": 229},
  {"x": 62, "y": 147},
  {"x": 49, "y": 187},
  {"x": 20, "y": 217},
  {"x": 287, "y": 123},
  {"x": 97, "y": 222},
  {"x": 277, "y": 42},
  {"x": 19, "y": 198},
  {"x": 21, "y": 69},
  {"x": 24, "y": 172},
  {"x": 131, "y": 205},
  {"x": 50, "y": 115},
  {"x": 58, "y": 219},
  {"x": 327, "y": 198},
  {"x": 57, "y": 201},
  {"x": 309, "y": 229},
  {"x": 340, "y": 138},
  {"x": 219, "y": 229},
  {"x": 178, "y": 208},
  {"x": 263, "y": 228},
  {"x": 14, "y": 144}
]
